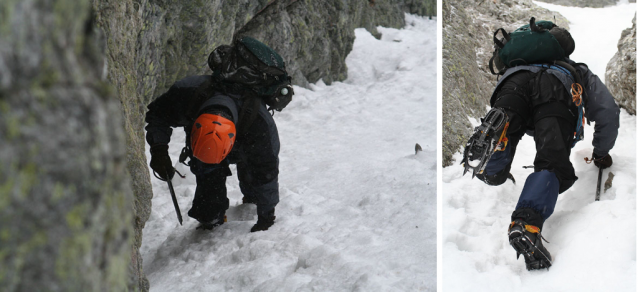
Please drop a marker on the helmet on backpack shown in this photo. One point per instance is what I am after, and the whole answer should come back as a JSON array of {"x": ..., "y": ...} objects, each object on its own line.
[
  {"x": 564, "y": 38},
  {"x": 212, "y": 138}
]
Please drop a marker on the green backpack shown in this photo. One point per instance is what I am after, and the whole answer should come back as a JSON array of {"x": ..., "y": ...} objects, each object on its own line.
[{"x": 534, "y": 43}]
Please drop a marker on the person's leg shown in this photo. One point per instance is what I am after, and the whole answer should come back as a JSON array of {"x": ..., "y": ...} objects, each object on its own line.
[
  {"x": 258, "y": 168},
  {"x": 553, "y": 172},
  {"x": 255, "y": 186},
  {"x": 210, "y": 202},
  {"x": 554, "y": 137},
  {"x": 536, "y": 203},
  {"x": 497, "y": 170}
]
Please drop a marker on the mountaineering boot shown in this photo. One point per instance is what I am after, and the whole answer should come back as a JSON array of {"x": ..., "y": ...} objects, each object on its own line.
[
  {"x": 488, "y": 138},
  {"x": 264, "y": 222},
  {"x": 212, "y": 224},
  {"x": 526, "y": 240}
]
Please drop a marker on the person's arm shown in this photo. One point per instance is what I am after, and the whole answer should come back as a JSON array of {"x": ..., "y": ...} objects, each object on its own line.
[
  {"x": 160, "y": 117},
  {"x": 169, "y": 110},
  {"x": 601, "y": 109}
]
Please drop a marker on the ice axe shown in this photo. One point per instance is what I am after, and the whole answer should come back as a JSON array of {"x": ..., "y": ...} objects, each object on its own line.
[
  {"x": 170, "y": 188},
  {"x": 600, "y": 176}
]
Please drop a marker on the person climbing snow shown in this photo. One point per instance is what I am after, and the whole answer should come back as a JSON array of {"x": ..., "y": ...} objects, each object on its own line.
[
  {"x": 227, "y": 121},
  {"x": 547, "y": 95}
]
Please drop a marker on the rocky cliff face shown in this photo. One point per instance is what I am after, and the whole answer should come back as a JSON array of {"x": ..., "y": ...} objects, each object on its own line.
[
  {"x": 468, "y": 28},
  {"x": 620, "y": 76},
  {"x": 151, "y": 44},
  {"x": 65, "y": 197},
  {"x": 313, "y": 44},
  {"x": 75, "y": 79}
]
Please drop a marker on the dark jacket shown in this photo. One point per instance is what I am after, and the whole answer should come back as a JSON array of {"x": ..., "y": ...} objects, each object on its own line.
[
  {"x": 256, "y": 152},
  {"x": 600, "y": 106}
]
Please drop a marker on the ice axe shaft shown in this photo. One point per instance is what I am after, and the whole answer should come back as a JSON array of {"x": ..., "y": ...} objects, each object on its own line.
[
  {"x": 600, "y": 176},
  {"x": 179, "y": 214}
]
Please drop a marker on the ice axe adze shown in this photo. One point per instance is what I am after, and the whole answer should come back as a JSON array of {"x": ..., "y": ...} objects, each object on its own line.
[{"x": 179, "y": 214}]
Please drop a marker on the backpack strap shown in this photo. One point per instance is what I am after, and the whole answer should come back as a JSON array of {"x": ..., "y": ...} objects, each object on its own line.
[
  {"x": 248, "y": 113},
  {"x": 577, "y": 86},
  {"x": 498, "y": 45},
  {"x": 577, "y": 77},
  {"x": 505, "y": 35},
  {"x": 534, "y": 27},
  {"x": 537, "y": 82},
  {"x": 571, "y": 69}
]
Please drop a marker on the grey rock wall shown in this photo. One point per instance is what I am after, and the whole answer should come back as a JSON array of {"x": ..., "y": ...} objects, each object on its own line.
[
  {"x": 419, "y": 7},
  {"x": 75, "y": 79},
  {"x": 151, "y": 44},
  {"x": 620, "y": 75},
  {"x": 65, "y": 197},
  {"x": 313, "y": 44},
  {"x": 468, "y": 28}
]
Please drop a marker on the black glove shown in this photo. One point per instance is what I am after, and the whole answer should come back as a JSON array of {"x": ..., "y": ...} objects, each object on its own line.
[
  {"x": 161, "y": 163},
  {"x": 602, "y": 161}
]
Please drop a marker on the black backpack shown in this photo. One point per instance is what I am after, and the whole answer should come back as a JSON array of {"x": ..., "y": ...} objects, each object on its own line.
[
  {"x": 253, "y": 65},
  {"x": 251, "y": 68}
]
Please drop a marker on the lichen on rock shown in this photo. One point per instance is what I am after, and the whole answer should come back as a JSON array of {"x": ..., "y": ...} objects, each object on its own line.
[{"x": 65, "y": 197}]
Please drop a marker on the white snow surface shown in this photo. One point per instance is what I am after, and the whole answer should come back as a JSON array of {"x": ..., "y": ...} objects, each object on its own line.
[
  {"x": 357, "y": 207},
  {"x": 596, "y": 31},
  {"x": 593, "y": 244}
]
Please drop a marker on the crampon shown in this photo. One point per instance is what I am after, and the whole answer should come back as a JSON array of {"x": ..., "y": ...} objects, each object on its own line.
[
  {"x": 488, "y": 138},
  {"x": 526, "y": 240}
]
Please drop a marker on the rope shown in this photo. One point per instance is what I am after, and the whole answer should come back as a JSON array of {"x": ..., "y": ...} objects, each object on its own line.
[{"x": 577, "y": 92}]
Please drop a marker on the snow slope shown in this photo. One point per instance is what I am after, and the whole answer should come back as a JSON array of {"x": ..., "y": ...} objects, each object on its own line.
[
  {"x": 593, "y": 243},
  {"x": 596, "y": 31},
  {"x": 358, "y": 207}
]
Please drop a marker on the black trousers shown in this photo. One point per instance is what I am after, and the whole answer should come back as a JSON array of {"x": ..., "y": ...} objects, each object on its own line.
[
  {"x": 549, "y": 118},
  {"x": 256, "y": 155},
  {"x": 210, "y": 201}
]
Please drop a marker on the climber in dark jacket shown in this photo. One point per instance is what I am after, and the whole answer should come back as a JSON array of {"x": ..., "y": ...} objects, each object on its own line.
[
  {"x": 538, "y": 99},
  {"x": 225, "y": 122}
]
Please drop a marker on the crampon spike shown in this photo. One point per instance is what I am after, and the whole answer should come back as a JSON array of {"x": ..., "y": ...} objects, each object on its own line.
[{"x": 485, "y": 141}]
